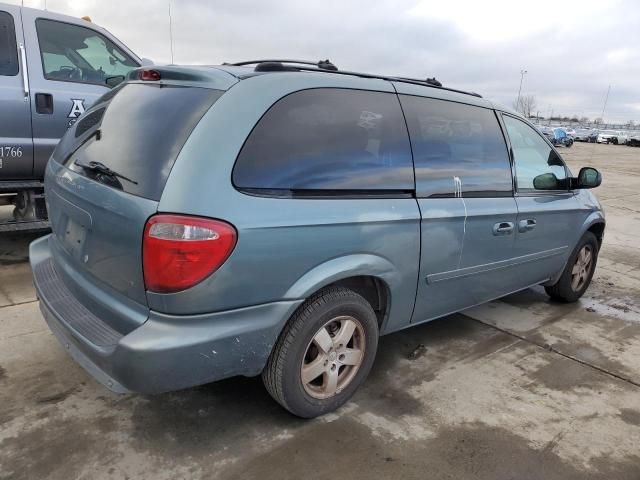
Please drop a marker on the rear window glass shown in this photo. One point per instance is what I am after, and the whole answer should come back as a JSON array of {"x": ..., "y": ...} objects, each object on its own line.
[
  {"x": 137, "y": 133},
  {"x": 328, "y": 139},
  {"x": 8, "y": 48}
]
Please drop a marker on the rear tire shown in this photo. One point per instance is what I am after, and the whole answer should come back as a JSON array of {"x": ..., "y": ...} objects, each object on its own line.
[
  {"x": 324, "y": 353},
  {"x": 578, "y": 272}
]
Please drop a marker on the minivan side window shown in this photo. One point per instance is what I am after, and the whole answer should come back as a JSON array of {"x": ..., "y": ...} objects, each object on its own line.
[
  {"x": 457, "y": 147},
  {"x": 8, "y": 47},
  {"x": 72, "y": 53},
  {"x": 532, "y": 156},
  {"x": 328, "y": 139}
]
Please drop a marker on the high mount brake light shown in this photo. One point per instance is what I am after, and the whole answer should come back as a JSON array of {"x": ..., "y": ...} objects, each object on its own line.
[
  {"x": 179, "y": 251},
  {"x": 149, "y": 75}
]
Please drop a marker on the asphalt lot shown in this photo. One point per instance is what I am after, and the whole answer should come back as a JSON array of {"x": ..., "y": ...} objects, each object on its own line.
[{"x": 520, "y": 388}]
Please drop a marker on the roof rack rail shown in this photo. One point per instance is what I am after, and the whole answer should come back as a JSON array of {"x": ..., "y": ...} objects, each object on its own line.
[{"x": 280, "y": 65}]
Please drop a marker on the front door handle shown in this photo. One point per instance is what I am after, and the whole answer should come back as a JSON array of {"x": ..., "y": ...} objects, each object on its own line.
[
  {"x": 503, "y": 228},
  {"x": 526, "y": 225},
  {"x": 44, "y": 103}
]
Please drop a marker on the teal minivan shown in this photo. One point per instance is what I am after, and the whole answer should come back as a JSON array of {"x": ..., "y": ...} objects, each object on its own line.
[{"x": 275, "y": 218}]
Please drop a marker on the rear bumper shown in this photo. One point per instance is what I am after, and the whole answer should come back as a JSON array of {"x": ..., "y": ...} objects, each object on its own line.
[{"x": 166, "y": 352}]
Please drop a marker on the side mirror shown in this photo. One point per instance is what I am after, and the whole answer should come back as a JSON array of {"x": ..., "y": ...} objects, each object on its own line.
[
  {"x": 546, "y": 181},
  {"x": 146, "y": 62},
  {"x": 114, "y": 81},
  {"x": 589, "y": 178}
]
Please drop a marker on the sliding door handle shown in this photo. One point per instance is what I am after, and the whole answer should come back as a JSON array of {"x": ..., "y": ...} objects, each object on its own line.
[
  {"x": 526, "y": 225},
  {"x": 503, "y": 228}
]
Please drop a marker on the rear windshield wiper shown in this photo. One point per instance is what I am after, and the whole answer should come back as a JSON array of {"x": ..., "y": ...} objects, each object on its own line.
[{"x": 102, "y": 168}]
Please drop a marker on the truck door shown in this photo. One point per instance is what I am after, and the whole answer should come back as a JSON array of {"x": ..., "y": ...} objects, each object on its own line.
[
  {"x": 16, "y": 144},
  {"x": 69, "y": 61}
]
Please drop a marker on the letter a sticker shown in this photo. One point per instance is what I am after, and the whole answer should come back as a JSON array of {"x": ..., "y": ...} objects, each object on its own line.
[{"x": 77, "y": 108}]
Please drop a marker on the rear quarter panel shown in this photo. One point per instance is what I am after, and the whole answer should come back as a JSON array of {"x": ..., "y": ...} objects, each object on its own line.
[{"x": 287, "y": 248}]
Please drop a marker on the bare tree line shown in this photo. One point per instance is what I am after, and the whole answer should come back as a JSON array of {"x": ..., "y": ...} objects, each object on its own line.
[{"x": 526, "y": 105}]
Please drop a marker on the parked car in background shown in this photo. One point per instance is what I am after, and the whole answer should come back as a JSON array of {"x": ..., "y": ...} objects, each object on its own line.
[
  {"x": 617, "y": 137},
  {"x": 274, "y": 218},
  {"x": 634, "y": 140},
  {"x": 593, "y": 136},
  {"x": 560, "y": 137},
  {"x": 570, "y": 131},
  {"x": 556, "y": 135},
  {"x": 52, "y": 68},
  {"x": 582, "y": 134},
  {"x": 547, "y": 132}
]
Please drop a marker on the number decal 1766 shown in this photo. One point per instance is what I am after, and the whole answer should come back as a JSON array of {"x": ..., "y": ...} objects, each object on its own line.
[{"x": 9, "y": 152}]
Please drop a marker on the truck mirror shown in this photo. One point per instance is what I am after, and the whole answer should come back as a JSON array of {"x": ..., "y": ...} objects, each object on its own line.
[{"x": 114, "y": 81}]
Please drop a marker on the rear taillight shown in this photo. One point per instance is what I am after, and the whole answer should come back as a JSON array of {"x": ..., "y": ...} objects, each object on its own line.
[{"x": 180, "y": 251}]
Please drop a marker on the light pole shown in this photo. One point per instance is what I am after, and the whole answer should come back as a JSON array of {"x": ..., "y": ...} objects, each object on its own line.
[
  {"x": 606, "y": 99},
  {"x": 171, "y": 32},
  {"x": 522, "y": 74}
]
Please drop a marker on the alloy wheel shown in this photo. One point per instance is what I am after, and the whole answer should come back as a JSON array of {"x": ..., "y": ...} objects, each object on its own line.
[
  {"x": 333, "y": 357},
  {"x": 582, "y": 268}
]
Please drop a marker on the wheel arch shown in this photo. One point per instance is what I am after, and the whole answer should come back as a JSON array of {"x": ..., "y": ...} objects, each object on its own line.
[
  {"x": 597, "y": 228},
  {"x": 371, "y": 276},
  {"x": 594, "y": 223}
]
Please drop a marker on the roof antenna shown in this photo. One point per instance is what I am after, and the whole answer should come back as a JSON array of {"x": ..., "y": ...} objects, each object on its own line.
[{"x": 171, "y": 32}]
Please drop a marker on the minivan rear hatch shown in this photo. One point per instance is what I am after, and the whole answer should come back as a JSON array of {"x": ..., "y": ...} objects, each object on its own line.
[{"x": 105, "y": 180}]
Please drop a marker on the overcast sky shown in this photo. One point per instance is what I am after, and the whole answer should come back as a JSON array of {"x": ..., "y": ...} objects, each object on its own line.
[{"x": 572, "y": 49}]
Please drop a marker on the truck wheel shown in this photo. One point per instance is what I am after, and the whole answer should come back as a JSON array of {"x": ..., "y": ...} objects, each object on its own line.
[
  {"x": 577, "y": 274},
  {"x": 24, "y": 206},
  {"x": 324, "y": 353},
  {"x": 614, "y": 140}
]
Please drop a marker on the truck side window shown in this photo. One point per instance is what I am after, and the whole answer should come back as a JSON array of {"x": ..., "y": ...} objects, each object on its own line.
[
  {"x": 453, "y": 140},
  {"x": 71, "y": 53},
  {"x": 532, "y": 155},
  {"x": 8, "y": 47}
]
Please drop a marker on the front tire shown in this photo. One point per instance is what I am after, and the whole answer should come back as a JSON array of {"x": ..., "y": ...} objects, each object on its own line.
[
  {"x": 578, "y": 272},
  {"x": 324, "y": 353}
]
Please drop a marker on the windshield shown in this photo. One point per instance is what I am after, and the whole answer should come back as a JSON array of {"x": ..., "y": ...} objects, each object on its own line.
[{"x": 78, "y": 54}]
